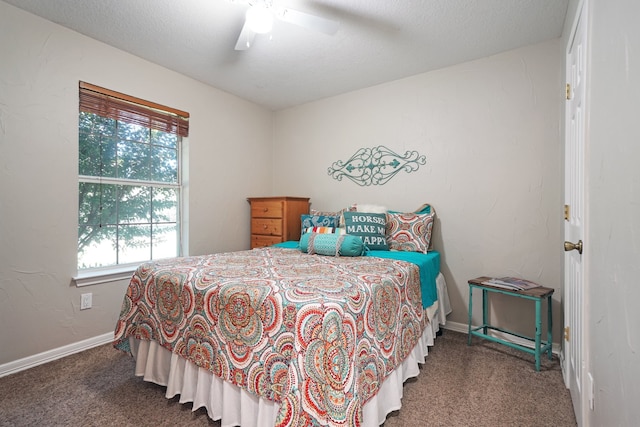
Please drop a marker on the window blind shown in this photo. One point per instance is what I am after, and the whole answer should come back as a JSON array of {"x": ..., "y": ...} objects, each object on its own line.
[{"x": 118, "y": 106}]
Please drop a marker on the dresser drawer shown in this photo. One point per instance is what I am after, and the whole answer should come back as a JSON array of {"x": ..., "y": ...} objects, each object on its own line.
[
  {"x": 276, "y": 219},
  {"x": 266, "y": 209},
  {"x": 258, "y": 241},
  {"x": 266, "y": 226}
]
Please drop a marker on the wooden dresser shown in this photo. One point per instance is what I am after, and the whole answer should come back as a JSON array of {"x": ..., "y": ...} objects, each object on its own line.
[{"x": 276, "y": 219}]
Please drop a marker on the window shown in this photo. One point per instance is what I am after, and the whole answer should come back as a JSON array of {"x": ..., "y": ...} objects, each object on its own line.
[{"x": 129, "y": 179}]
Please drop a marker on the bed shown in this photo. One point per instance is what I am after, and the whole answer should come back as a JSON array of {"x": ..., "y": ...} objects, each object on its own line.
[{"x": 274, "y": 336}]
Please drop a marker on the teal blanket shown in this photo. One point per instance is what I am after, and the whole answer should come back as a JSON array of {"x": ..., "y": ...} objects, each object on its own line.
[{"x": 429, "y": 265}]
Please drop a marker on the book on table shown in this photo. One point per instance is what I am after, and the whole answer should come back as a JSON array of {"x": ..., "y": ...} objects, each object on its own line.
[{"x": 511, "y": 283}]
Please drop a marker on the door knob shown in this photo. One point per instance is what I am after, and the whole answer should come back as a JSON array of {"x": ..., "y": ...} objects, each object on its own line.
[{"x": 568, "y": 246}]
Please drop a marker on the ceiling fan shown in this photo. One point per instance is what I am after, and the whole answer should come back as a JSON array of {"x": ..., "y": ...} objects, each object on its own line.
[{"x": 261, "y": 15}]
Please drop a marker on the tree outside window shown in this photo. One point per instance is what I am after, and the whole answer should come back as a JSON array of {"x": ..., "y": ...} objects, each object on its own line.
[{"x": 129, "y": 189}]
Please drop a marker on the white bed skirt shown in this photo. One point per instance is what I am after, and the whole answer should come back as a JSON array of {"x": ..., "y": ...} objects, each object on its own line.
[{"x": 236, "y": 407}]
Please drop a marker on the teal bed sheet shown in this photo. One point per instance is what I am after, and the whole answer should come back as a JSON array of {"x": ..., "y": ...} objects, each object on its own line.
[{"x": 428, "y": 264}]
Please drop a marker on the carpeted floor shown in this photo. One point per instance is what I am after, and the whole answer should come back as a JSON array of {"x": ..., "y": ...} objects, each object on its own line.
[{"x": 482, "y": 385}]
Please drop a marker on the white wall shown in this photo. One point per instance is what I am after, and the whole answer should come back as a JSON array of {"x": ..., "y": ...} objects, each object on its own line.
[
  {"x": 40, "y": 66},
  {"x": 490, "y": 130},
  {"x": 612, "y": 240}
]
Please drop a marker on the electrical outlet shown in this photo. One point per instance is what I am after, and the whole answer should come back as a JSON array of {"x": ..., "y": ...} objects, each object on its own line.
[{"x": 85, "y": 301}]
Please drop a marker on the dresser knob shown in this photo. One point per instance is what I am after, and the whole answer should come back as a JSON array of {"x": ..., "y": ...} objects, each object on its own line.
[
  {"x": 266, "y": 209},
  {"x": 265, "y": 226}
]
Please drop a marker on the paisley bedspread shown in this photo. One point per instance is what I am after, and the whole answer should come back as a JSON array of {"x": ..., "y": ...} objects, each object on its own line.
[{"x": 316, "y": 334}]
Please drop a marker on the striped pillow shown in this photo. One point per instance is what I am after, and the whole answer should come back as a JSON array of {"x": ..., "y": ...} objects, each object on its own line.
[
  {"x": 325, "y": 230},
  {"x": 317, "y": 221}
]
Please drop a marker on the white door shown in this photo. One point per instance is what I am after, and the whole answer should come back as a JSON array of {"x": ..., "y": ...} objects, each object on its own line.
[{"x": 576, "y": 114}]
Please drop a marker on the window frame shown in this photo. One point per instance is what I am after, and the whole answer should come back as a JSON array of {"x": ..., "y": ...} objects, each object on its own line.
[{"x": 163, "y": 118}]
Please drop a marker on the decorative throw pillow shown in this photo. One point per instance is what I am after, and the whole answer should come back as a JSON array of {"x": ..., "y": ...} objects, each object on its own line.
[
  {"x": 409, "y": 232},
  {"x": 325, "y": 230},
  {"x": 371, "y": 227},
  {"x": 317, "y": 221},
  {"x": 337, "y": 214},
  {"x": 332, "y": 244}
]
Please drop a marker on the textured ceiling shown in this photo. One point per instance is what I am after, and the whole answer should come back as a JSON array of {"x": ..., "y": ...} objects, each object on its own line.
[{"x": 378, "y": 40}]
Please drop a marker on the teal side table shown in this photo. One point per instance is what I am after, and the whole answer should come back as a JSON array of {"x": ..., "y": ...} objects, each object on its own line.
[{"x": 535, "y": 294}]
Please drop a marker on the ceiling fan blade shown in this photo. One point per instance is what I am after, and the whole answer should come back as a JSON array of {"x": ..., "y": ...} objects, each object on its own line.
[
  {"x": 307, "y": 20},
  {"x": 246, "y": 38}
]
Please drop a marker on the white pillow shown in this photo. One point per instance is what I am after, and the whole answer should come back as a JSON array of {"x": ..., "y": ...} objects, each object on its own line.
[{"x": 368, "y": 208}]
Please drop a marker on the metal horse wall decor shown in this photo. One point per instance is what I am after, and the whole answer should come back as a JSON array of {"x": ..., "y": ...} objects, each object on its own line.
[{"x": 375, "y": 166}]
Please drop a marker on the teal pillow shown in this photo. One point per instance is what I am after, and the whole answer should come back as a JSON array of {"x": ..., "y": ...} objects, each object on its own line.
[
  {"x": 424, "y": 209},
  {"x": 332, "y": 244},
  {"x": 371, "y": 227}
]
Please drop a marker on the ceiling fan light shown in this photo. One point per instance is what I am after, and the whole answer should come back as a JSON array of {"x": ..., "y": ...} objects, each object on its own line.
[{"x": 259, "y": 19}]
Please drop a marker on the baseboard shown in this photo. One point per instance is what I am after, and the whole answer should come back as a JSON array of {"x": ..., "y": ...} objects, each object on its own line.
[
  {"x": 60, "y": 352},
  {"x": 565, "y": 375},
  {"x": 464, "y": 328},
  {"x": 456, "y": 327},
  {"x": 54, "y": 354}
]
